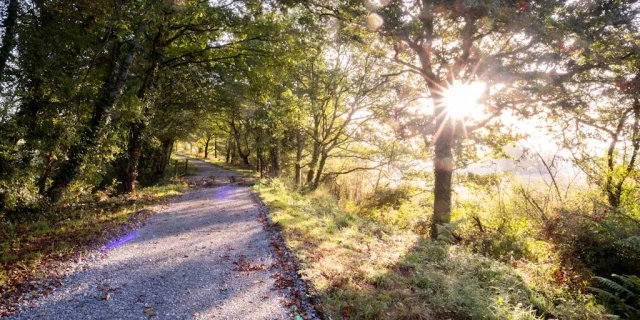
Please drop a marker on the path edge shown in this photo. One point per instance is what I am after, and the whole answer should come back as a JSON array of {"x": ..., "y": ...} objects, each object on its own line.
[{"x": 310, "y": 299}]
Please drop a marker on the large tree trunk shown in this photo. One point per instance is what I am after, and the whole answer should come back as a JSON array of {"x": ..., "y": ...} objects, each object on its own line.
[
  {"x": 129, "y": 174},
  {"x": 228, "y": 150},
  {"x": 443, "y": 169},
  {"x": 89, "y": 137},
  {"x": 323, "y": 161},
  {"x": 315, "y": 153},
  {"x": 9, "y": 37}
]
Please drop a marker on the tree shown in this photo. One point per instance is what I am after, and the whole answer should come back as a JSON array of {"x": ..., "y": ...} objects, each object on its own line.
[
  {"x": 463, "y": 42},
  {"x": 600, "y": 103},
  {"x": 9, "y": 36}
]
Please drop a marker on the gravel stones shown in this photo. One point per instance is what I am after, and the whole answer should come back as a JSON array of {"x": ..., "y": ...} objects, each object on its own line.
[{"x": 204, "y": 256}]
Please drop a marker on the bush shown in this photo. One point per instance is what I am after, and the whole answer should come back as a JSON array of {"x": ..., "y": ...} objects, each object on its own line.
[{"x": 604, "y": 243}]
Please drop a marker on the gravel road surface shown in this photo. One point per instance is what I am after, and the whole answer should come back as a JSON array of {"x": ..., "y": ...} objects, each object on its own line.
[{"x": 204, "y": 256}]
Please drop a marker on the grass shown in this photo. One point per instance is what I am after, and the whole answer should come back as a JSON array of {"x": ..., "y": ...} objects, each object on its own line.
[
  {"x": 192, "y": 170},
  {"x": 242, "y": 169},
  {"x": 29, "y": 248},
  {"x": 364, "y": 269}
]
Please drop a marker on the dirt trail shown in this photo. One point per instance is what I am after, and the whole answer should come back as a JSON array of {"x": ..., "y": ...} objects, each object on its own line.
[{"x": 204, "y": 256}]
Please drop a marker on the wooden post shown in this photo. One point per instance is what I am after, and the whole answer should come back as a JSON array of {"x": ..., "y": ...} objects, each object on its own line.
[
  {"x": 186, "y": 167},
  {"x": 175, "y": 170}
]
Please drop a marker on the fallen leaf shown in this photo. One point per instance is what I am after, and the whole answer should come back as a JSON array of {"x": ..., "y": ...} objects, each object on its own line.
[{"x": 148, "y": 311}]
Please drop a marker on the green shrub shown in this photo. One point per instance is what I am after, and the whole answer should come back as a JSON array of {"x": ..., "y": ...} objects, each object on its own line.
[{"x": 604, "y": 243}]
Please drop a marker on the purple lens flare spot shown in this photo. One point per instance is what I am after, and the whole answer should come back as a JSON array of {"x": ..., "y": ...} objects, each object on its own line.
[
  {"x": 121, "y": 241},
  {"x": 223, "y": 192}
]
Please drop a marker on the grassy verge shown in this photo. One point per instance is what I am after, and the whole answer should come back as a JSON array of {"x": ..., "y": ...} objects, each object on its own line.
[
  {"x": 365, "y": 269},
  {"x": 28, "y": 249}
]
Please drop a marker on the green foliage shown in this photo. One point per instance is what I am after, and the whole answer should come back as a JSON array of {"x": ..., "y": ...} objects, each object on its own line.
[
  {"x": 621, "y": 294},
  {"x": 602, "y": 242}
]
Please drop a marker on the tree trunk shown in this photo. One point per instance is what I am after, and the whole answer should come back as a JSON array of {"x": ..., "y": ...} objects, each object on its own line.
[
  {"x": 165, "y": 157},
  {"x": 443, "y": 169},
  {"x": 9, "y": 37},
  {"x": 262, "y": 164},
  {"x": 228, "y": 151},
  {"x": 275, "y": 162},
  {"x": 236, "y": 136},
  {"x": 245, "y": 158},
  {"x": 299, "y": 148},
  {"x": 89, "y": 137},
  {"x": 258, "y": 152},
  {"x": 134, "y": 150},
  {"x": 137, "y": 128},
  {"x": 206, "y": 147},
  {"x": 315, "y": 154},
  {"x": 48, "y": 166},
  {"x": 129, "y": 173},
  {"x": 323, "y": 160},
  {"x": 215, "y": 147},
  {"x": 233, "y": 152}
]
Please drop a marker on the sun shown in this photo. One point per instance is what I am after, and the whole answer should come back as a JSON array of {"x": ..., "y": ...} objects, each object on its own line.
[{"x": 461, "y": 100}]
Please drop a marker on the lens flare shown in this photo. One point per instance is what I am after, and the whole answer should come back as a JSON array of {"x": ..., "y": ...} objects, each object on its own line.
[{"x": 461, "y": 99}]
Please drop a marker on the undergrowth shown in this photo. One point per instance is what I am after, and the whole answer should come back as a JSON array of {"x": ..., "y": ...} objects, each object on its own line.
[{"x": 366, "y": 268}]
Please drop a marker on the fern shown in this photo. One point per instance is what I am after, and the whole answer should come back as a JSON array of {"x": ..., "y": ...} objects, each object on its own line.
[
  {"x": 614, "y": 287},
  {"x": 603, "y": 294},
  {"x": 630, "y": 282},
  {"x": 632, "y": 243},
  {"x": 621, "y": 294}
]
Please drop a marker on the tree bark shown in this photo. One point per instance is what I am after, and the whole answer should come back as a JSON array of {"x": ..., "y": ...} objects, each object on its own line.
[
  {"x": 165, "y": 156},
  {"x": 299, "y": 148},
  {"x": 227, "y": 158},
  {"x": 315, "y": 153},
  {"x": 318, "y": 176},
  {"x": 275, "y": 162},
  {"x": 206, "y": 147},
  {"x": 9, "y": 37},
  {"x": 89, "y": 137},
  {"x": 236, "y": 136},
  {"x": 443, "y": 169},
  {"x": 134, "y": 150}
]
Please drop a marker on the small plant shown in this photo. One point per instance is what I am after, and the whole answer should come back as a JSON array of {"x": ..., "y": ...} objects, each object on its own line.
[{"x": 621, "y": 294}]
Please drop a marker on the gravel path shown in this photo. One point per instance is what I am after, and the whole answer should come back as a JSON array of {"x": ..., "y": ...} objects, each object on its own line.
[{"x": 204, "y": 256}]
